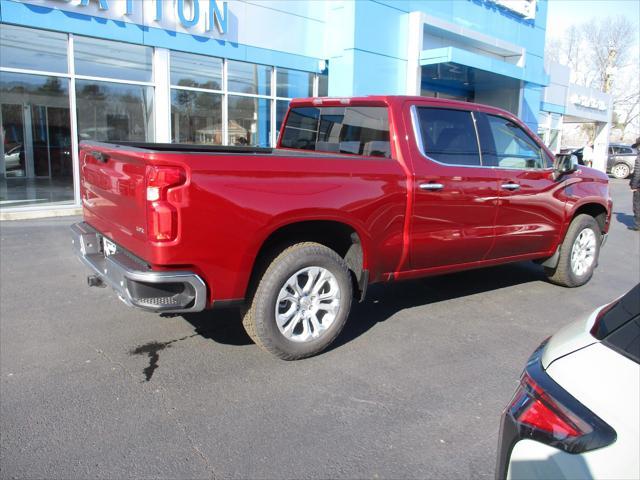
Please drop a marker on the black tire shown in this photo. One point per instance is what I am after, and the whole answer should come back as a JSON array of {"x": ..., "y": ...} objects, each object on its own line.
[
  {"x": 259, "y": 319},
  {"x": 564, "y": 274},
  {"x": 621, "y": 170}
]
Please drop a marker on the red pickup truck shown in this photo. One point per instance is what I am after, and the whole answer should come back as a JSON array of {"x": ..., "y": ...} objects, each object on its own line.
[{"x": 358, "y": 191}]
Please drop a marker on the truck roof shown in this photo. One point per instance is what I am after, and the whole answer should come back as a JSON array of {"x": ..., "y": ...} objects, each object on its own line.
[{"x": 397, "y": 100}]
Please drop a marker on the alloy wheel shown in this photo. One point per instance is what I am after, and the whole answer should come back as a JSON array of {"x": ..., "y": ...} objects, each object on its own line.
[
  {"x": 307, "y": 304},
  {"x": 583, "y": 252}
]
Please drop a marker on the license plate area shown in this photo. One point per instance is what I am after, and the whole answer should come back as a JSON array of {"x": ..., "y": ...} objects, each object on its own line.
[{"x": 108, "y": 247}]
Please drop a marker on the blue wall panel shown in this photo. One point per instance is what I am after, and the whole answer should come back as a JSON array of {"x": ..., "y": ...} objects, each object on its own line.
[
  {"x": 378, "y": 74},
  {"x": 381, "y": 29},
  {"x": 530, "y": 107}
]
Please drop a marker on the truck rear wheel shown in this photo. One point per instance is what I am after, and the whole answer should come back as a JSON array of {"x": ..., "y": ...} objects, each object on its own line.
[
  {"x": 578, "y": 253},
  {"x": 301, "y": 302}
]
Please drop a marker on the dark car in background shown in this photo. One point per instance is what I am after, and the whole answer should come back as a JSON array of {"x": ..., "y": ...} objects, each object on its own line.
[{"x": 621, "y": 160}]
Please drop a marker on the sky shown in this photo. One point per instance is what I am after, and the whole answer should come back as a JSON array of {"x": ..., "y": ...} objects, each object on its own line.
[{"x": 563, "y": 13}]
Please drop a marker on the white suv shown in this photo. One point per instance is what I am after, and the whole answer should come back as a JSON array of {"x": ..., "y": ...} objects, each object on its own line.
[{"x": 576, "y": 413}]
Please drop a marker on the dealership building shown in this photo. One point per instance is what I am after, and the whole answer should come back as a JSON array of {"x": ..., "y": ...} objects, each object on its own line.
[{"x": 223, "y": 72}]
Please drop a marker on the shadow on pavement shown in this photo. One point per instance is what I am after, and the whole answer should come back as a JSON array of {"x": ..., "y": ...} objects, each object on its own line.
[
  {"x": 383, "y": 301},
  {"x": 625, "y": 218},
  {"x": 222, "y": 325}
]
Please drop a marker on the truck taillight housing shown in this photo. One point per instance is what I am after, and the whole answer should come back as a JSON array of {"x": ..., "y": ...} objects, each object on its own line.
[{"x": 164, "y": 196}]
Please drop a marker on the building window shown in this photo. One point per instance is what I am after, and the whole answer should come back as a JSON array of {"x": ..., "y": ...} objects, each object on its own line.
[
  {"x": 281, "y": 110},
  {"x": 107, "y": 59},
  {"x": 36, "y": 163},
  {"x": 248, "y": 78},
  {"x": 27, "y": 48},
  {"x": 111, "y": 112},
  {"x": 249, "y": 121},
  {"x": 196, "y": 71},
  {"x": 114, "y": 93},
  {"x": 196, "y": 99},
  {"x": 196, "y": 117},
  {"x": 323, "y": 85},
  {"x": 293, "y": 83}
]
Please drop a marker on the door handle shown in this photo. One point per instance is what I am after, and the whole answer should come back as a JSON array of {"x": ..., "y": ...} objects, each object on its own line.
[
  {"x": 510, "y": 186},
  {"x": 431, "y": 186}
]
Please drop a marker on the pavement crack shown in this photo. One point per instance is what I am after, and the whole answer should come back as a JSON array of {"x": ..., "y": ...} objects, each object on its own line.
[
  {"x": 192, "y": 444},
  {"x": 108, "y": 358}
]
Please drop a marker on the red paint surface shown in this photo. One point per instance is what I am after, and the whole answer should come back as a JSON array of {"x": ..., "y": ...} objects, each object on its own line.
[{"x": 231, "y": 203}]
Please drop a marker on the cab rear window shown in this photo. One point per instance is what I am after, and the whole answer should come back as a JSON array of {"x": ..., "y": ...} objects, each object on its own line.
[{"x": 351, "y": 130}]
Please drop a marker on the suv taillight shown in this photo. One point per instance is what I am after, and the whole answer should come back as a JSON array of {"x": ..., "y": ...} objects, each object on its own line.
[
  {"x": 542, "y": 410},
  {"x": 536, "y": 409},
  {"x": 163, "y": 200}
]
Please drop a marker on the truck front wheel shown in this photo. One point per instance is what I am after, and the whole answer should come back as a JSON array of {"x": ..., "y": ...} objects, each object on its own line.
[
  {"x": 301, "y": 302},
  {"x": 578, "y": 253}
]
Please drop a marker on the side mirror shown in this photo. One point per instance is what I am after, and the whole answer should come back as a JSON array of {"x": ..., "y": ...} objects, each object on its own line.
[{"x": 566, "y": 164}]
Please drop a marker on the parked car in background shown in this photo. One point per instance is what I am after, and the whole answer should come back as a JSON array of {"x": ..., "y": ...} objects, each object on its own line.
[
  {"x": 575, "y": 413},
  {"x": 359, "y": 191},
  {"x": 621, "y": 160},
  {"x": 13, "y": 163}
]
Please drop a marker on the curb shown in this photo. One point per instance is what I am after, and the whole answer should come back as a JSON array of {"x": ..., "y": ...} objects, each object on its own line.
[{"x": 32, "y": 214}]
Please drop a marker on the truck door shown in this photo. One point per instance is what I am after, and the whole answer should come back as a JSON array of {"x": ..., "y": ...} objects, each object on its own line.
[
  {"x": 455, "y": 196},
  {"x": 529, "y": 212}
]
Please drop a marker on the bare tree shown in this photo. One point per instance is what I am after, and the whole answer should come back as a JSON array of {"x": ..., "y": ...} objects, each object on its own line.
[
  {"x": 603, "y": 54},
  {"x": 610, "y": 45}
]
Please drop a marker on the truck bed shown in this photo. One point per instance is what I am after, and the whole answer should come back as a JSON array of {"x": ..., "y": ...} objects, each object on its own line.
[
  {"x": 231, "y": 199},
  {"x": 186, "y": 148}
]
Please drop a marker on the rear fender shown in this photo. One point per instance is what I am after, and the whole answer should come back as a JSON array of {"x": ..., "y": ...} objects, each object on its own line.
[{"x": 291, "y": 219}]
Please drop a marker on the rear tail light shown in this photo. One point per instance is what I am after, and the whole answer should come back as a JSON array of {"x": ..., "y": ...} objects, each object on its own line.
[
  {"x": 537, "y": 410},
  {"x": 542, "y": 410},
  {"x": 163, "y": 200}
]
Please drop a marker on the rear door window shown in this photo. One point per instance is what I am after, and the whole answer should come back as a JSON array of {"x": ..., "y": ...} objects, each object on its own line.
[
  {"x": 352, "y": 130},
  {"x": 448, "y": 136}
]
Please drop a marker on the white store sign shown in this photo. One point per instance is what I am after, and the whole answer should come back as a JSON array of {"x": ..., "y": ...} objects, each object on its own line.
[{"x": 200, "y": 17}]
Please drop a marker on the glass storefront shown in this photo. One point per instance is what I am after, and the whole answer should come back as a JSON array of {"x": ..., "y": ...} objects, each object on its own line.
[
  {"x": 196, "y": 117},
  {"x": 37, "y": 165},
  {"x": 109, "y": 112},
  {"x": 117, "y": 86},
  {"x": 249, "y": 121}
]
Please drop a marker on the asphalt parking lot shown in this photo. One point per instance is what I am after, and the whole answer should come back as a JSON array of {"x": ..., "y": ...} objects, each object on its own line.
[{"x": 413, "y": 388}]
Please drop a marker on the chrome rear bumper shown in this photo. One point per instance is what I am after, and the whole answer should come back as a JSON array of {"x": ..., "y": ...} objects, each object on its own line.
[{"x": 133, "y": 281}]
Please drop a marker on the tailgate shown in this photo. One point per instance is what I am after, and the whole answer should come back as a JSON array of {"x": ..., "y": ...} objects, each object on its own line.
[{"x": 112, "y": 187}]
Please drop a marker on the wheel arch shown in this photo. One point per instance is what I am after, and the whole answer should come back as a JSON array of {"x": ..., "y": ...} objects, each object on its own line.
[
  {"x": 345, "y": 239},
  {"x": 594, "y": 209}
]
